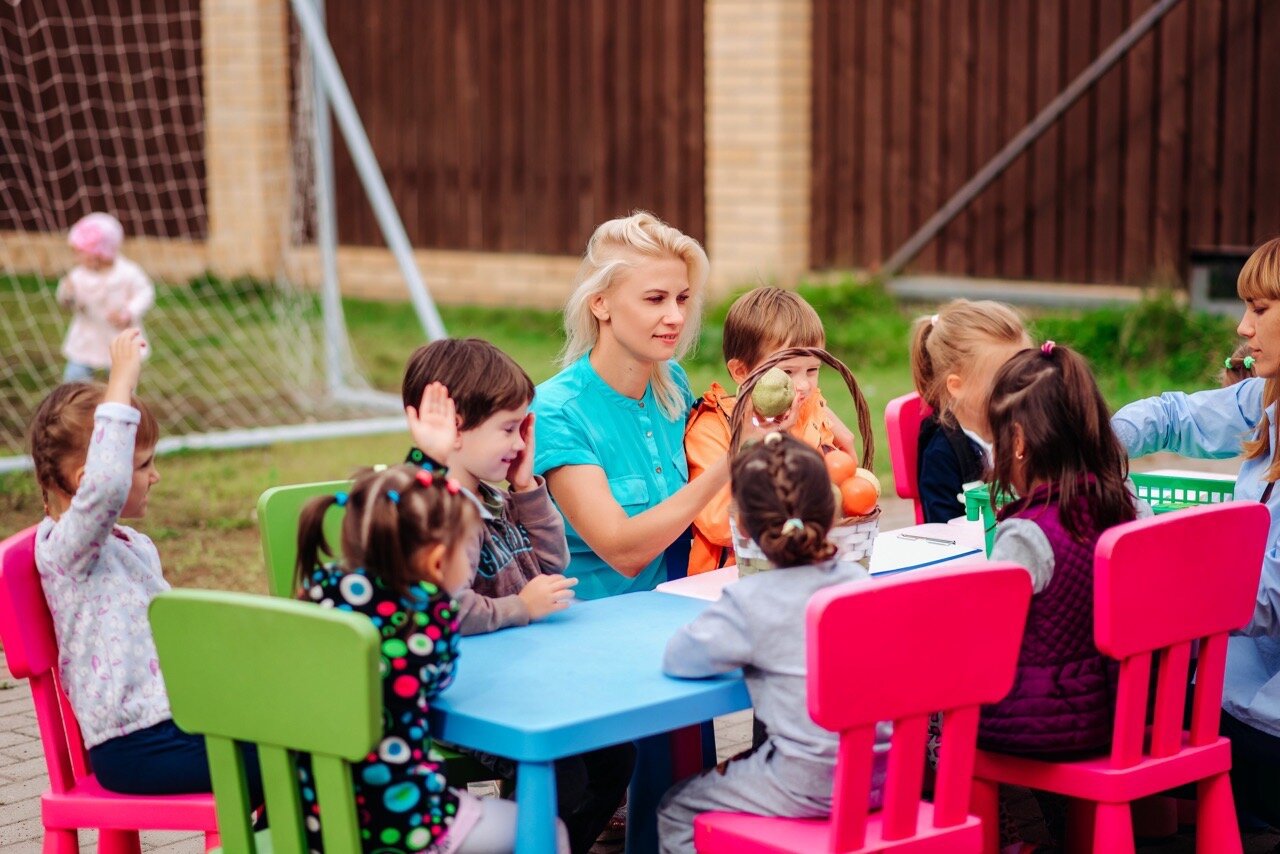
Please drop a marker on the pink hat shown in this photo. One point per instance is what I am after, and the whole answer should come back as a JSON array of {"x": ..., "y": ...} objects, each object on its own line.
[{"x": 98, "y": 234}]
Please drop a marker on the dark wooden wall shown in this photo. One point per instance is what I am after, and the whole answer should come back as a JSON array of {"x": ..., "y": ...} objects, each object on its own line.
[
  {"x": 1177, "y": 147},
  {"x": 520, "y": 125},
  {"x": 101, "y": 109}
]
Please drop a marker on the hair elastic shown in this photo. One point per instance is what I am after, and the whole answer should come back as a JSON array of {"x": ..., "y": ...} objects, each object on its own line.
[
  {"x": 792, "y": 524},
  {"x": 340, "y": 499},
  {"x": 1047, "y": 347},
  {"x": 393, "y": 496},
  {"x": 933, "y": 321},
  {"x": 1246, "y": 363},
  {"x": 424, "y": 477},
  {"x": 773, "y": 438}
]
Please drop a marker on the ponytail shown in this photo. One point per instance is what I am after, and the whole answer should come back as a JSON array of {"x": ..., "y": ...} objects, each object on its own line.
[
  {"x": 784, "y": 500},
  {"x": 311, "y": 540}
]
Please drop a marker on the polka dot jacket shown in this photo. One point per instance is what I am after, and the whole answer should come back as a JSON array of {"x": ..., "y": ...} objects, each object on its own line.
[{"x": 402, "y": 798}]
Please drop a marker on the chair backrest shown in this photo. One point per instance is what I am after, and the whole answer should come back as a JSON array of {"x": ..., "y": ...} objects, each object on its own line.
[
  {"x": 278, "y": 511},
  {"x": 1161, "y": 584},
  {"x": 902, "y": 419},
  {"x": 31, "y": 652},
  {"x": 870, "y": 660},
  {"x": 286, "y": 676}
]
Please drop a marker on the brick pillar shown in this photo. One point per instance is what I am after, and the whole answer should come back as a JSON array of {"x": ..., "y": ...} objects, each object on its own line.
[
  {"x": 246, "y": 110},
  {"x": 759, "y": 64}
]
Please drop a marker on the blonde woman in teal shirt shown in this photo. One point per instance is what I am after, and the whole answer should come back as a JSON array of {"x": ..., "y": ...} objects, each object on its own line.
[{"x": 610, "y": 425}]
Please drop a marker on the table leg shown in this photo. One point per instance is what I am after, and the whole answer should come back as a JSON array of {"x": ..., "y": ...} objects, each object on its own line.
[
  {"x": 651, "y": 779},
  {"x": 536, "y": 808}
]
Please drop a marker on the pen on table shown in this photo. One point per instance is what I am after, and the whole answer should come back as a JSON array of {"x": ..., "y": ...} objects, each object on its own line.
[{"x": 937, "y": 541}]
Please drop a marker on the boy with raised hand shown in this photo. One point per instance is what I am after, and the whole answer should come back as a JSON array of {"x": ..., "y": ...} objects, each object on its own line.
[{"x": 467, "y": 405}]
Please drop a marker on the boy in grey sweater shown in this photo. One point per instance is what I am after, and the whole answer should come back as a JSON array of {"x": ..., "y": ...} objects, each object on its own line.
[{"x": 467, "y": 405}]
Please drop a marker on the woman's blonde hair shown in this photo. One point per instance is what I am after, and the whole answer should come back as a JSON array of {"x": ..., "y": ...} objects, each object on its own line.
[
  {"x": 1260, "y": 279},
  {"x": 615, "y": 247},
  {"x": 944, "y": 342}
]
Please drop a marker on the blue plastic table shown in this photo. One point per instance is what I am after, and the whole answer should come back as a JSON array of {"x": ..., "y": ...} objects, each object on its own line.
[{"x": 585, "y": 678}]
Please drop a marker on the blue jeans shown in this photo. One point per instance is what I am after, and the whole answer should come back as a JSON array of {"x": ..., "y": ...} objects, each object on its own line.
[
  {"x": 163, "y": 760},
  {"x": 75, "y": 372}
]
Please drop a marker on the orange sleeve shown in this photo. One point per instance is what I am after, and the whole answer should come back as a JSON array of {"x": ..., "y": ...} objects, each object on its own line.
[{"x": 706, "y": 441}]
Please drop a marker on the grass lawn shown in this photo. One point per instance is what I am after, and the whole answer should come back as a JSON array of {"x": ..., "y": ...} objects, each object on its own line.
[{"x": 202, "y": 510}]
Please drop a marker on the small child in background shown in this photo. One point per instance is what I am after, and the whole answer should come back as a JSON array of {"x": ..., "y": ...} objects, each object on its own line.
[
  {"x": 785, "y": 503},
  {"x": 94, "y": 454},
  {"x": 954, "y": 358},
  {"x": 467, "y": 405},
  {"x": 759, "y": 323},
  {"x": 1055, "y": 448},
  {"x": 106, "y": 291},
  {"x": 404, "y": 544},
  {"x": 1238, "y": 367}
]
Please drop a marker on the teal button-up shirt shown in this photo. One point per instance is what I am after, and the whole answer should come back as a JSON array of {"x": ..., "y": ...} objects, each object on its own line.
[{"x": 582, "y": 421}]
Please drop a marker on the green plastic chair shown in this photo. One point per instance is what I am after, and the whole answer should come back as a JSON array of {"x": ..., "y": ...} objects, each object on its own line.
[
  {"x": 279, "y": 509},
  {"x": 231, "y": 663}
]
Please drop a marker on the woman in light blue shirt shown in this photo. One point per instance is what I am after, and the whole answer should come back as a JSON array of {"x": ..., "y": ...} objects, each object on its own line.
[
  {"x": 1220, "y": 424},
  {"x": 610, "y": 425}
]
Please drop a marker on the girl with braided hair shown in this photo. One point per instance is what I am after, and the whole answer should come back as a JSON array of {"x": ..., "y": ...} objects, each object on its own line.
[
  {"x": 404, "y": 554},
  {"x": 783, "y": 498}
]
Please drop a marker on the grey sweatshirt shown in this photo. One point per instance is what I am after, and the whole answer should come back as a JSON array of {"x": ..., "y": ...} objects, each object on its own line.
[
  {"x": 758, "y": 625},
  {"x": 523, "y": 538}
]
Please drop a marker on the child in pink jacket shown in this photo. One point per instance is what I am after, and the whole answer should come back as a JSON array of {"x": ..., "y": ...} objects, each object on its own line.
[{"x": 106, "y": 291}]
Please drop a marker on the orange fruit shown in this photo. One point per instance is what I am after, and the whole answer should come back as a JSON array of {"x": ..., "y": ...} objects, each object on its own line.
[
  {"x": 858, "y": 496},
  {"x": 840, "y": 466}
]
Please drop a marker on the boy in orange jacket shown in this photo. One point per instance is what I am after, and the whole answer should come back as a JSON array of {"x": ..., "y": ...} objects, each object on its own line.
[{"x": 759, "y": 323}]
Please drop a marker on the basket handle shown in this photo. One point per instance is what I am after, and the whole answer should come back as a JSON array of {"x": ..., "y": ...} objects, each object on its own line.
[{"x": 860, "y": 403}]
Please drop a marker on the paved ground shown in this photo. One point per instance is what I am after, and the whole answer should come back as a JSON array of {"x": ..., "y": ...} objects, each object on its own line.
[{"x": 23, "y": 777}]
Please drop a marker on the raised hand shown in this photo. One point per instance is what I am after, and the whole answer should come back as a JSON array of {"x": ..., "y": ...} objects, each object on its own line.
[
  {"x": 547, "y": 594},
  {"x": 520, "y": 473},
  {"x": 433, "y": 423},
  {"x": 126, "y": 366}
]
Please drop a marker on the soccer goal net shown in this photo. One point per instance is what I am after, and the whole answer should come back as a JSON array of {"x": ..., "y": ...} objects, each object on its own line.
[{"x": 103, "y": 107}]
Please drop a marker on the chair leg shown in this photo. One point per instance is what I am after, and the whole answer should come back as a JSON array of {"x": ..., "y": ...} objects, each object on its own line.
[
  {"x": 1216, "y": 828},
  {"x": 1113, "y": 829},
  {"x": 61, "y": 842},
  {"x": 984, "y": 802},
  {"x": 119, "y": 842},
  {"x": 212, "y": 840}
]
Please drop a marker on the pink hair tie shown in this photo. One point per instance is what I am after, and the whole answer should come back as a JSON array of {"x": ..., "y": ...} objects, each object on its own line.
[{"x": 1047, "y": 347}]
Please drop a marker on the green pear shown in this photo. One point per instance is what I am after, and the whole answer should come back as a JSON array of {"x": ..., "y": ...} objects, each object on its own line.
[{"x": 773, "y": 393}]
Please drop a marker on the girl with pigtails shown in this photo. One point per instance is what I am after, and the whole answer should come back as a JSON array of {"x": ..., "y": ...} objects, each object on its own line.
[
  {"x": 784, "y": 501},
  {"x": 404, "y": 540}
]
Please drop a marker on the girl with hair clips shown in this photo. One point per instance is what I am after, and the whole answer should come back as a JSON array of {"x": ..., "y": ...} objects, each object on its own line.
[
  {"x": 610, "y": 425},
  {"x": 954, "y": 357},
  {"x": 404, "y": 546},
  {"x": 1220, "y": 424},
  {"x": 1054, "y": 447},
  {"x": 784, "y": 500}
]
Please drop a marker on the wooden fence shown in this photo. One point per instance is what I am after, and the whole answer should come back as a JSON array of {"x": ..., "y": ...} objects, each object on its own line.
[
  {"x": 1175, "y": 148},
  {"x": 519, "y": 125}
]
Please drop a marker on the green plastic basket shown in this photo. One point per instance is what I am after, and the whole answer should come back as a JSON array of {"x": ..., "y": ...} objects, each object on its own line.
[{"x": 1164, "y": 492}]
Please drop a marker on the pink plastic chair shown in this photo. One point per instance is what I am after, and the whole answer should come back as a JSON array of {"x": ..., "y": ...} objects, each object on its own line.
[
  {"x": 75, "y": 799},
  {"x": 1159, "y": 585},
  {"x": 870, "y": 659},
  {"x": 902, "y": 419}
]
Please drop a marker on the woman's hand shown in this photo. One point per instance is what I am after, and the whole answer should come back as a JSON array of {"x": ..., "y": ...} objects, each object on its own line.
[{"x": 433, "y": 424}]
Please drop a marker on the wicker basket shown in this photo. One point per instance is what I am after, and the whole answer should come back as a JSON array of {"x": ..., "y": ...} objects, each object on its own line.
[{"x": 852, "y": 536}]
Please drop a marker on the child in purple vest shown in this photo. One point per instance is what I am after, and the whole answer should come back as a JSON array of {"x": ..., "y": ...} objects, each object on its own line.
[{"x": 1054, "y": 448}]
